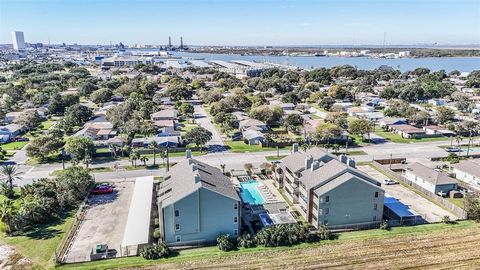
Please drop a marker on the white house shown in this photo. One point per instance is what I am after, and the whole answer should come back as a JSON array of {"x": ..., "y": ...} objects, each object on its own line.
[{"x": 468, "y": 171}]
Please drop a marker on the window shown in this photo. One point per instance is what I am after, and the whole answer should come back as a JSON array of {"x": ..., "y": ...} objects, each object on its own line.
[
  {"x": 325, "y": 222},
  {"x": 375, "y": 206},
  {"x": 235, "y": 232},
  {"x": 376, "y": 194},
  {"x": 374, "y": 218},
  {"x": 327, "y": 211},
  {"x": 177, "y": 213},
  {"x": 235, "y": 219},
  {"x": 177, "y": 227},
  {"x": 327, "y": 198},
  {"x": 178, "y": 238},
  {"x": 235, "y": 206}
]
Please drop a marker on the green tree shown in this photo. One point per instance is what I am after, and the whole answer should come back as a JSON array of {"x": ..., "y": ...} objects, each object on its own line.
[
  {"x": 328, "y": 131},
  {"x": 144, "y": 159},
  {"x": 199, "y": 136},
  {"x": 134, "y": 156},
  {"x": 80, "y": 147},
  {"x": 360, "y": 127},
  {"x": 186, "y": 109},
  {"x": 43, "y": 146},
  {"x": 29, "y": 120},
  {"x": 444, "y": 114},
  {"x": 101, "y": 95},
  {"x": 7, "y": 214},
  {"x": 154, "y": 146},
  {"x": 8, "y": 174}
]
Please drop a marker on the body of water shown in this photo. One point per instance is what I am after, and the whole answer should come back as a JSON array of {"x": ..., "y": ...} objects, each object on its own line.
[{"x": 308, "y": 62}]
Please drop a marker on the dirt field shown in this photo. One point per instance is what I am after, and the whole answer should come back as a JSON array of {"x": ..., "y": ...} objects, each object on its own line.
[
  {"x": 455, "y": 249},
  {"x": 104, "y": 222}
]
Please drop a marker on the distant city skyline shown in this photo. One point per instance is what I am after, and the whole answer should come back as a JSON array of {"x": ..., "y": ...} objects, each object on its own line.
[{"x": 242, "y": 22}]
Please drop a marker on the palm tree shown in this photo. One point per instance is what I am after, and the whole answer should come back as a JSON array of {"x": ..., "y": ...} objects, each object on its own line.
[
  {"x": 144, "y": 159},
  {"x": 134, "y": 156},
  {"x": 223, "y": 168},
  {"x": 154, "y": 146},
  {"x": 7, "y": 213},
  {"x": 87, "y": 160},
  {"x": 9, "y": 174}
]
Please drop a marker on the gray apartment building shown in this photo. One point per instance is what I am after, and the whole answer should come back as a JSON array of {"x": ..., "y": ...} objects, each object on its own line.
[
  {"x": 330, "y": 191},
  {"x": 197, "y": 203}
]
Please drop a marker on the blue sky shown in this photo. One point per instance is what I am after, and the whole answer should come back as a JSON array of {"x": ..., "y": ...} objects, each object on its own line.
[{"x": 243, "y": 22}]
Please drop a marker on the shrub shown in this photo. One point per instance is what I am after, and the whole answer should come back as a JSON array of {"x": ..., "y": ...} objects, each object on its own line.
[
  {"x": 225, "y": 243},
  {"x": 446, "y": 219},
  {"x": 246, "y": 241},
  {"x": 153, "y": 252},
  {"x": 283, "y": 235},
  {"x": 324, "y": 233},
  {"x": 156, "y": 233},
  {"x": 384, "y": 225},
  {"x": 157, "y": 221}
]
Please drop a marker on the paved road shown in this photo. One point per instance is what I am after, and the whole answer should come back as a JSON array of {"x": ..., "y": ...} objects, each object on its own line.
[{"x": 216, "y": 144}]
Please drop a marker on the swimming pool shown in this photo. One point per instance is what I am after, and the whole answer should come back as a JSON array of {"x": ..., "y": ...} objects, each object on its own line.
[{"x": 250, "y": 194}]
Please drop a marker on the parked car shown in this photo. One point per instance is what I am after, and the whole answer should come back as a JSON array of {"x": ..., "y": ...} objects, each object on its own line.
[
  {"x": 442, "y": 194},
  {"x": 102, "y": 189},
  {"x": 451, "y": 149},
  {"x": 389, "y": 182}
]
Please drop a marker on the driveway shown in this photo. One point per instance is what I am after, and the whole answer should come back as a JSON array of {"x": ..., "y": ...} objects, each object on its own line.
[
  {"x": 427, "y": 209},
  {"x": 103, "y": 223},
  {"x": 216, "y": 144}
]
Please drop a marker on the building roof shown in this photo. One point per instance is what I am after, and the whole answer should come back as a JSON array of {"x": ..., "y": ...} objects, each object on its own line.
[
  {"x": 469, "y": 167},
  {"x": 338, "y": 181},
  {"x": 180, "y": 181},
  {"x": 252, "y": 134},
  {"x": 295, "y": 162},
  {"x": 138, "y": 222},
  {"x": 431, "y": 175},
  {"x": 407, "y": 129},
  {"x": 251, "y": 123}
]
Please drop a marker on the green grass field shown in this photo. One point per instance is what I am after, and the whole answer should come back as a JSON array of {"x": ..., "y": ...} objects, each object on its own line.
[
  {"x": 274, "y": 158},
  {"x": 214, "y": 255},
  {"x": 13, "y": 146}
]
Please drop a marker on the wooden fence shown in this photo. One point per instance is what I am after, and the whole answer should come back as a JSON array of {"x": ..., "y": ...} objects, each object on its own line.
[{"x": 432, "y": 196}]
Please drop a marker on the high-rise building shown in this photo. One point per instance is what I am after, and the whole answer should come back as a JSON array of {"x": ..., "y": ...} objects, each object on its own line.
[
  {"x": 169, "y": 42},
  {"x": 18, "y": 41},
  {"x": 181, "y": 42}
]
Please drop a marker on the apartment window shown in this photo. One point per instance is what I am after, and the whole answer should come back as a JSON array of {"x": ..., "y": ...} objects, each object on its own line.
[
  {"x": 327, "y": 198},
  {"x": 235, "y": 219},
  {"x": 375, "y": 206},
  {"x": 177, "y": 213},
  {"x": 177, "y": 227},
  {"x": 327, "y": 211},
  {"x": 376, "y": 194},
  {"x": 325, "y": 222},
  {"x": 235, "y": 206},
  {"x": 374, "y": 218},
  {"x": 178, "y": 238},
  {"x": 235, "y": 232},
  {"x": 320, "y": 212}
]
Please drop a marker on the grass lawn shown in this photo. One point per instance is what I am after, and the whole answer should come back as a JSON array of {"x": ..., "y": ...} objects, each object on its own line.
[
  {"x": 101, "y": 169},
  {"x": 457, "y": 201},
  {"x": 274, "y": 158},
  {"x": 13, "y": 146},
  {"x": 45, "y": 125},
  {"x": 213, "y": 256},
  {"x": 39, "y": 244},
  {"x": 241, "y": 147},
  {"x": 393, "y": 137}
]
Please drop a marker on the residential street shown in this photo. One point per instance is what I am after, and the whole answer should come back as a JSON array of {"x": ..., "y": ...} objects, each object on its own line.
[{"x": 216, "y": 144}]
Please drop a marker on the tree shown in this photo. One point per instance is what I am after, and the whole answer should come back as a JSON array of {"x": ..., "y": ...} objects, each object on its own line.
[
  {"x": 144, "y": 159},
  {"x": 199, "y": 136},
  {"x": 186, "y": 109},
  {"x": 134, "y": 156},
  {"x": 246, "y": 241},
  {"x": 156, "y": 251},
  {"x": 471, "y": 206},
  {"x": 292, "y": 121},
  {"x": 154, "y": 146},
  {"x": 8, "y": 174},
  {"x": 101, "y": 95},
  {"x": 326, "y": 103},
  {"x": 29, "y": 119},
  {"x": 43, "y": 146},
  {"x": 444, "y": 114},
  {"x": 360, "y": 127},
  {"x": 76, "y": 115},
  {"x": 328, "y": 131},
  {"x": 80, "y": 147},
  {"x": 7, "y": 214}
]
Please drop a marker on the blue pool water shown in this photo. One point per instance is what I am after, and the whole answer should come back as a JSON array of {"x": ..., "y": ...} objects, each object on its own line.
[{"x": 250, "y": 194}]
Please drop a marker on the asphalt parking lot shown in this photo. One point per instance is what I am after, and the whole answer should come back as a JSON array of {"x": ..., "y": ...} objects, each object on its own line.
[
  {"x": 427, "y": 209},
  {"x": 104, "y": 222}
]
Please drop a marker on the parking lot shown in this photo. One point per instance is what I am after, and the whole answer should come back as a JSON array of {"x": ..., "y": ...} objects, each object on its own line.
[
  {"x": 427, "y": 209},
  {"x": 104, "y": 222}
]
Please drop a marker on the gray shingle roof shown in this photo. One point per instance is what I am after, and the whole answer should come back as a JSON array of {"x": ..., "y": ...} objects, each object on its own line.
[
  {"x": 431, "y": 175},
  {"x": 180, "y": 182},
  {"x": 338, "y": 181},
  {"x": 295, "y": 162},
  {"x": 469, "y": 167}
]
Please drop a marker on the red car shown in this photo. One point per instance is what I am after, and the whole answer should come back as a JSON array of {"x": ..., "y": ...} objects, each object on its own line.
[{"x": 102, "y": 190}]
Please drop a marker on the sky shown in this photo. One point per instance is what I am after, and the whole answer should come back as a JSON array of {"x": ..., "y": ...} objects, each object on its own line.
[{"x": 243, "y": 22}]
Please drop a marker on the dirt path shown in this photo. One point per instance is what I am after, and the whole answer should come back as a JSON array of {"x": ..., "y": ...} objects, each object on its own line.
[{"x": 455, "y": 249}]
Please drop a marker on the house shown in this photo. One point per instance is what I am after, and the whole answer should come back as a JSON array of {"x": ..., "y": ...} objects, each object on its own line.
[
  {"x": 432, "y": 180},
  {"x": 168, "y": 114},
  {"x": 437, "y": 102},
  {"x": 11, "y": 117},
  {"x": 9, "y": 131},
  {"x": 253, "y": 124},
  {"x": 386, "y": 122},
  {"x": 407, "y": 131},
  {"x": 310, "y": 130},
  {"x": 251, "y": 136},
  {"x": 329, "y": 191},
  {"x": 437, "y": 130},
  {"x": 354, "y": 111},
  {"x": 196, "y": 204},
  {"x": 468, "y": 171},
  {"x": 98, "y": 129},
  {"x": 371, "y": 116},
  {"x": 164, "y": 141},
  {"x": 168, "y": 131}
]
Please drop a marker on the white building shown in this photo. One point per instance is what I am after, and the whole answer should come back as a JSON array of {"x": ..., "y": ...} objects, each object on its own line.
[
  {"x": 18, "y": 41},
  {"x": 404, "y": 54}
]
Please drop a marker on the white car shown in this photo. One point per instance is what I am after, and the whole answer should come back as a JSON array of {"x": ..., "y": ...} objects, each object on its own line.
[{"x": 389, "y": 182}]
